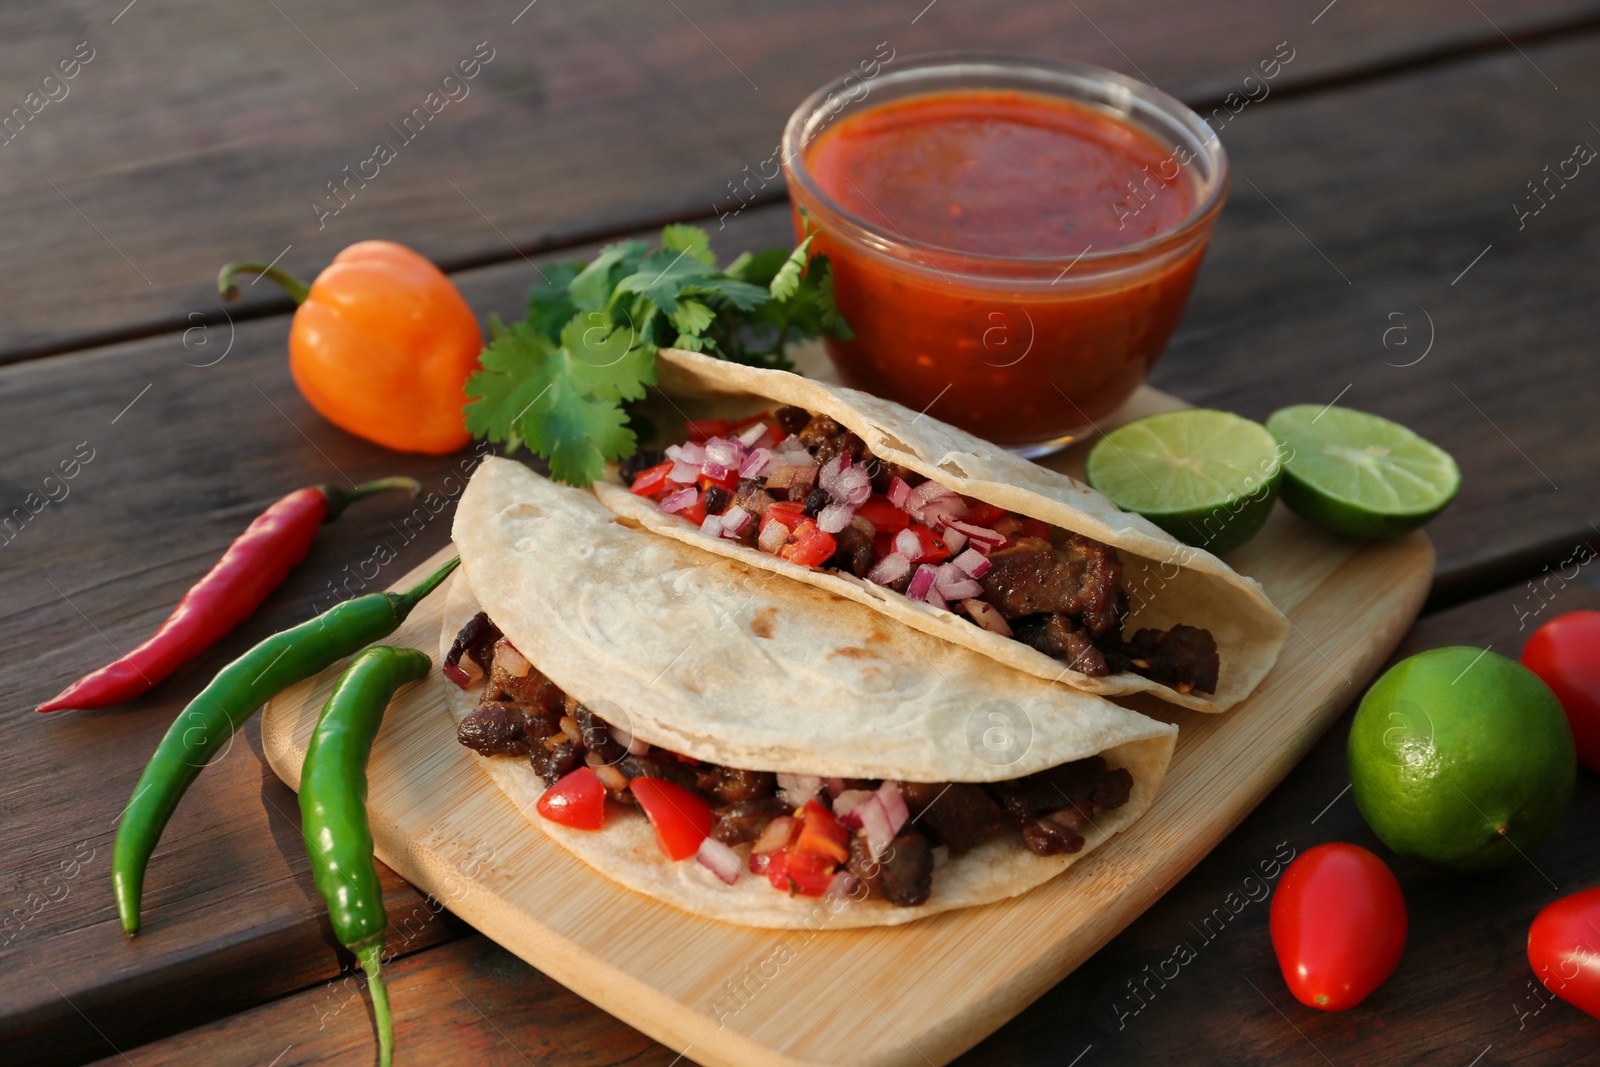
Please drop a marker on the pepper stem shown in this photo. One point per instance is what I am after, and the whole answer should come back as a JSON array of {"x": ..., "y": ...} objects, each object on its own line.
[
  {"x": 339, "y": 499},
  {"x": 371, "y": 957},
  {"x": 404, "y": 602},
  {"x": 297, "y": 289}
]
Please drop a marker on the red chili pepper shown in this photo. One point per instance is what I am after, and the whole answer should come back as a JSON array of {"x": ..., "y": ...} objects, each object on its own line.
[{"x": 254, "y": 565}]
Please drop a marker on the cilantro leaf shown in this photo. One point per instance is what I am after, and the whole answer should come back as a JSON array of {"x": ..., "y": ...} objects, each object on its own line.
[
  {"x": 691, "y": 239},
  {"x": 602, "y": 361},
  {"x": 786, "y": 282},
  {"x": 549, "y": 305},
  {"x": 592, "y": 287},
  {"x": 578, "y": 434}
]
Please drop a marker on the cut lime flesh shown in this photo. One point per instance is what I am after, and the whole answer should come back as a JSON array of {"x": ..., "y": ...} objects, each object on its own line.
[
  {"x": 1359, "y": 474},
  {"x": 1206, "y": 477}
]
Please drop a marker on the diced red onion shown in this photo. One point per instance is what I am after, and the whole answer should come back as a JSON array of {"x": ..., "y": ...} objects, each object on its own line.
[
  {"x": 981, "y": 537},
  {"x": 719, "y": 859},
  {"x": 908, "y": 544},
  {"x": 711, "y": 526},
  {"x": 756, "y": 464},
  {"x": 853, "y": 486},
  {"x": 722, "y": 452},
  {"x": 774, "y": 837},
  {"x": 456, "y": 675},
  {"x": 515, "y": 663},
  {"x": 690, "y": 452},
  {"x": 953, "y": 583},
  {"x": 753, "y": 434},
  {"x": 953, "y": 539},
  {"x": 899, "y": 492},
  {"x": 673, "y": 503},
  {"x": 846, "y": 804},
  {"x": 790, "y": 451},
  {"x": 987, "y": 616},
  {"x": 889, "y": 569},
  {"x": 683, "y": 471},
  {"x": 622, "y": 737},
  {"x": 791, "y": 474},
  {"x": 973, "y": 563},
  {"x": 927, "y": 493},
  {"x": 798, "y": 788},
  {"x": 937, "y": 513},
  {"x": 716, "y": 471},
  {"x": 922, "y": 582},
  {"x": 835, "y": 517},
  {"x": 936, "y": 598},
  {"x": 834, "y": 786},
  {"x": 735, "y": 519},
  {"x": 894, "y": 804},
  {"x": 875, "y": 824},
  {"x": 843, "y": 885},
  {"x": 940, "y": 854},
  {"x": 828, "y": 476},
  {"x": 772, "y": 537}
]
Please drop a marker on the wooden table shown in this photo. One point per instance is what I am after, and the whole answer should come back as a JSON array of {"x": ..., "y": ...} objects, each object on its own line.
[{"x": 1371, "y": 252}]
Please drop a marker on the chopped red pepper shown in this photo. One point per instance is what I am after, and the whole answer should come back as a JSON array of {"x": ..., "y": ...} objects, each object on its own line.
[
  {"x": 702, "y": 430},
  {"x": 788, "y": 512},
  {"x": 577, "y": 800},
  {"x": 883, "y": 515},
  {"x": 682, "y": 819},
  {"x": 811, "y": 546},
  {"x": 746, "y": 423},
  {"x": 696, "y": 512},
  {"x": 654, "y": 480},
  {"x": 1035, "y": 528}
]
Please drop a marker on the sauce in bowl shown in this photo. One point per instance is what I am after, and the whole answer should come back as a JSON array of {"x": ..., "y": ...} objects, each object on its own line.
[{"x": 1012, "y": 261}]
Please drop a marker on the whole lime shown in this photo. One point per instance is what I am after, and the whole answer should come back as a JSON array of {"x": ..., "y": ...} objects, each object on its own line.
[{"x": 1461, "y": 758}]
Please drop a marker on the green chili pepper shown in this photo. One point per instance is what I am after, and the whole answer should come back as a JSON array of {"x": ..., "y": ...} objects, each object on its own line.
[
  {"x": 333, "y": 811},
  {"x": 223, "y": 706}
]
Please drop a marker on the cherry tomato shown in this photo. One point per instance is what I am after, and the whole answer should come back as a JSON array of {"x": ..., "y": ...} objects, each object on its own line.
[
  {"x": 1564, "y": 948},
  {"x": 1338, "y": 925},
  {"x": 577, "y": 800},
  {"x": 1565, "y": 652},
  {"x": 682, "y": 819}
]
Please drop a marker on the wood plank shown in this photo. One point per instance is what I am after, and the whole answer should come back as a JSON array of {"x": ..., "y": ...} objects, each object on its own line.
[
  {"x": 169, "y": 486},
  {"x": 1462, "y": 986},
  {"x": 184, "y": 447},
  {"x": 199, "y": 133},
  {"x": 433, "y": 810}
]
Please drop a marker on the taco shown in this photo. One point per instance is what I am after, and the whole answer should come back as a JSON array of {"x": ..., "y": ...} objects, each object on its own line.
[
  {"x": 948, "y": 534},
  {"x": 752, "y": 749}
]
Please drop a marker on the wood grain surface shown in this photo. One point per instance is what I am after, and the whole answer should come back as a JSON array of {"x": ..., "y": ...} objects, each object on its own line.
[
  {"x": 1462, "y": 987},
  {"x": 200, "y": 133},
  {"x": 439, "y": 821},
  {"x": 1400, "y": 161}
]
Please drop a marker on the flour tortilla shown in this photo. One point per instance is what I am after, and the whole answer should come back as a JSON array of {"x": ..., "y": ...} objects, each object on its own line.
[
  {"x": 712, "y": 659},
  {"x": 1168, "y": 582}
]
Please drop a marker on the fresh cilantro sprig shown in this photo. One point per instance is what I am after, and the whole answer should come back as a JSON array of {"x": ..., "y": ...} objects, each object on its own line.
[{"x": 559, "y": 381}]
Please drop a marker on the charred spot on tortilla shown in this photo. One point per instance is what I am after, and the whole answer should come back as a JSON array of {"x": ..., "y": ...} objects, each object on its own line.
[
  {"x": 869, "y": 838},
  {"x": 853, "y": 652},
  {"x": 763, "y": 624},
  {"x": 808, "y": 490}
]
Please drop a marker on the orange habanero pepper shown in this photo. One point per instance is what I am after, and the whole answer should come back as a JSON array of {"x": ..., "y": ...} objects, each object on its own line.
[{"x": 381, "y": 345}]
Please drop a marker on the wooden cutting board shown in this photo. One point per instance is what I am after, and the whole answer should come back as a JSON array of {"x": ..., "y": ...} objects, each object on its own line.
[{"x": 918, "y": 994}]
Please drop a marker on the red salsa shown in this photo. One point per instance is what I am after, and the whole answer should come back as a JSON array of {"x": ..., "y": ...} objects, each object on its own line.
[{"x": 993, "y": 195}]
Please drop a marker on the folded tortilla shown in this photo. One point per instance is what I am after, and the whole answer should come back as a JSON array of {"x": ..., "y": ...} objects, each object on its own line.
[
  {"x": 712, "y": 659},
  {"x": 1168, "y": 582}
]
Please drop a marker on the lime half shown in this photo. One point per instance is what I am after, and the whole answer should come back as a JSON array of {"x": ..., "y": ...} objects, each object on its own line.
[
  {"x": 1358, "y": 474},
  {"x": 1206, "y": 477}
]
